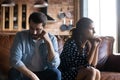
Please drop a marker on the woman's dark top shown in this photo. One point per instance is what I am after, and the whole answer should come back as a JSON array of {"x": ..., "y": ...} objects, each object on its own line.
[{"x": 72, "y": 59}]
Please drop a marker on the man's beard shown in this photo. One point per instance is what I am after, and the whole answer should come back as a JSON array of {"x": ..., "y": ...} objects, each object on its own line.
[{"x": 35, "y": 37}]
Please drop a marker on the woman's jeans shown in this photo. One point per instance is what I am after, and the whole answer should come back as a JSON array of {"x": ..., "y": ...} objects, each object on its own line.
[{"x": 48, "y": 74}]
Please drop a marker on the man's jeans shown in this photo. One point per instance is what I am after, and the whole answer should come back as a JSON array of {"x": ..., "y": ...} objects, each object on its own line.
[{"x": 48, "y": 74}]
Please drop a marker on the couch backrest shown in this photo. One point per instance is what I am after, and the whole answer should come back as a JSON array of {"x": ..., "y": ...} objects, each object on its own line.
[
  {"x": 106, "y": 49},
  {"x": 5, "y": 44}
]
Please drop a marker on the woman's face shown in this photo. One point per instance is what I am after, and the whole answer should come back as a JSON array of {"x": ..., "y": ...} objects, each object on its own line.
[{"x": 89, "y": 32}]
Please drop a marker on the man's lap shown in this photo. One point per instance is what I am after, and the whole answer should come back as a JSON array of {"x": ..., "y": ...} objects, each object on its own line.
[{"x": 51, "y": 74}]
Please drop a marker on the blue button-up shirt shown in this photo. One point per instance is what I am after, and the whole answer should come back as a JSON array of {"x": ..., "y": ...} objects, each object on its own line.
[{"x": 23, "y": 48}]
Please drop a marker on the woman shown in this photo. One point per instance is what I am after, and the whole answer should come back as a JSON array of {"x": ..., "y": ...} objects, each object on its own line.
[{"x": 80, "y": 53}]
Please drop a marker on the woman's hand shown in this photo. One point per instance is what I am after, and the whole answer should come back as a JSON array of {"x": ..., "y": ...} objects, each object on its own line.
[{"x": 95, "y": 42}]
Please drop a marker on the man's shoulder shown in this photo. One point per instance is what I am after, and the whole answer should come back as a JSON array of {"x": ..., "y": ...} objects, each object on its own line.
[
  {"x": 52, "y": 36},
  {"x": 24, "y": 32}
]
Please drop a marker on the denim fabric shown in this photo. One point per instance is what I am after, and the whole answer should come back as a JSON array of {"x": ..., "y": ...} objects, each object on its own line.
[
  {"x": 23, "y": 48},
  {"x": 48, "y": 74}
]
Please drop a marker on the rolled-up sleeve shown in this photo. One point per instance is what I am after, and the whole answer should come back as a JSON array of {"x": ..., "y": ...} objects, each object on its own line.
[
  {"x": 55, "y": 62},
  {"x": 16, "y": 52}
]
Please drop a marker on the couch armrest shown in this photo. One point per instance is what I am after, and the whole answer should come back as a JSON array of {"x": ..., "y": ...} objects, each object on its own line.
[{"x": 113, "y": 63}]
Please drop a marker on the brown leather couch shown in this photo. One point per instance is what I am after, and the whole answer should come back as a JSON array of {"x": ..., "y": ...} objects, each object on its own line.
[
  {"x": 5, "y": 44},
  {"x": 108, "y": 63}
]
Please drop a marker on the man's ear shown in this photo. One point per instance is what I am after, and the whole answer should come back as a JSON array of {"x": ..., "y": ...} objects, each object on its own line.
[{"x": 44, "y": 25}]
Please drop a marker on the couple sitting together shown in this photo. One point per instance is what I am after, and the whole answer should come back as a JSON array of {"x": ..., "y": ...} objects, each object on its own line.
[{"x": 34, "y": 53}]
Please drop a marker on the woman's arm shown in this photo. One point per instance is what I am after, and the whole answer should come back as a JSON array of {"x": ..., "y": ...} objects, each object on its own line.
[
  {"x": 95, "y": 59},
  {"x": 93, "y": 52}
]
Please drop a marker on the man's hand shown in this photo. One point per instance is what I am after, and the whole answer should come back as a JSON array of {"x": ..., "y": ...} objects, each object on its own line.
[
  {"x": 28, "y": 72},
  {"x": 44, "y": 35},
  {"x": 34, "y": 77}
]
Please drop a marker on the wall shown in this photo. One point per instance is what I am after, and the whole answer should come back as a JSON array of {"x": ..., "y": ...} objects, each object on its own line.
[
  {"x": 118, "y": 19},
  {"x": 54, "y": 8}
]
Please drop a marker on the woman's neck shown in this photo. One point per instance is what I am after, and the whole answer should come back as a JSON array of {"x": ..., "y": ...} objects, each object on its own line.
[{"x": 81, "y": 41}]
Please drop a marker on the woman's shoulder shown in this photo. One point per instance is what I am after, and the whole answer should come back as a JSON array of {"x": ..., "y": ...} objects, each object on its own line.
[{"x": 70, "y": 43}]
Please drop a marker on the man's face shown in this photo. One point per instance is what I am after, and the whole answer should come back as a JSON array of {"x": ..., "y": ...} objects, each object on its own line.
[{"x": 35, "y": 29}]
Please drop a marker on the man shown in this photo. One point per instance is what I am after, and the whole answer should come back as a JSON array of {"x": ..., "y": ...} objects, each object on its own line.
[{"x": 34, "y": 54}]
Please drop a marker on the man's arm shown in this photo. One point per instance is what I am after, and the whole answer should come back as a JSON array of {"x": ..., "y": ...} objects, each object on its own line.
[
  {"x": 52, "y": 45},
  {"x": 51, "y": 51},
  {"x": 16, "y": 56},
  {"x": 27, "y": 72}
]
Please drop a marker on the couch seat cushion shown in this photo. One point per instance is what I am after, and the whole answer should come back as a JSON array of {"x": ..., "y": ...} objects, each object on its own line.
[{"x": 110, "y": 76}]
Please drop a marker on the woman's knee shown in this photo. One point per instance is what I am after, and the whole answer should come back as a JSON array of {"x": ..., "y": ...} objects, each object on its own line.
[
  {"x": 91, "y": 71},
  {"x": 95, "y": 72},
  {"x": 98, "y": 74}
]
